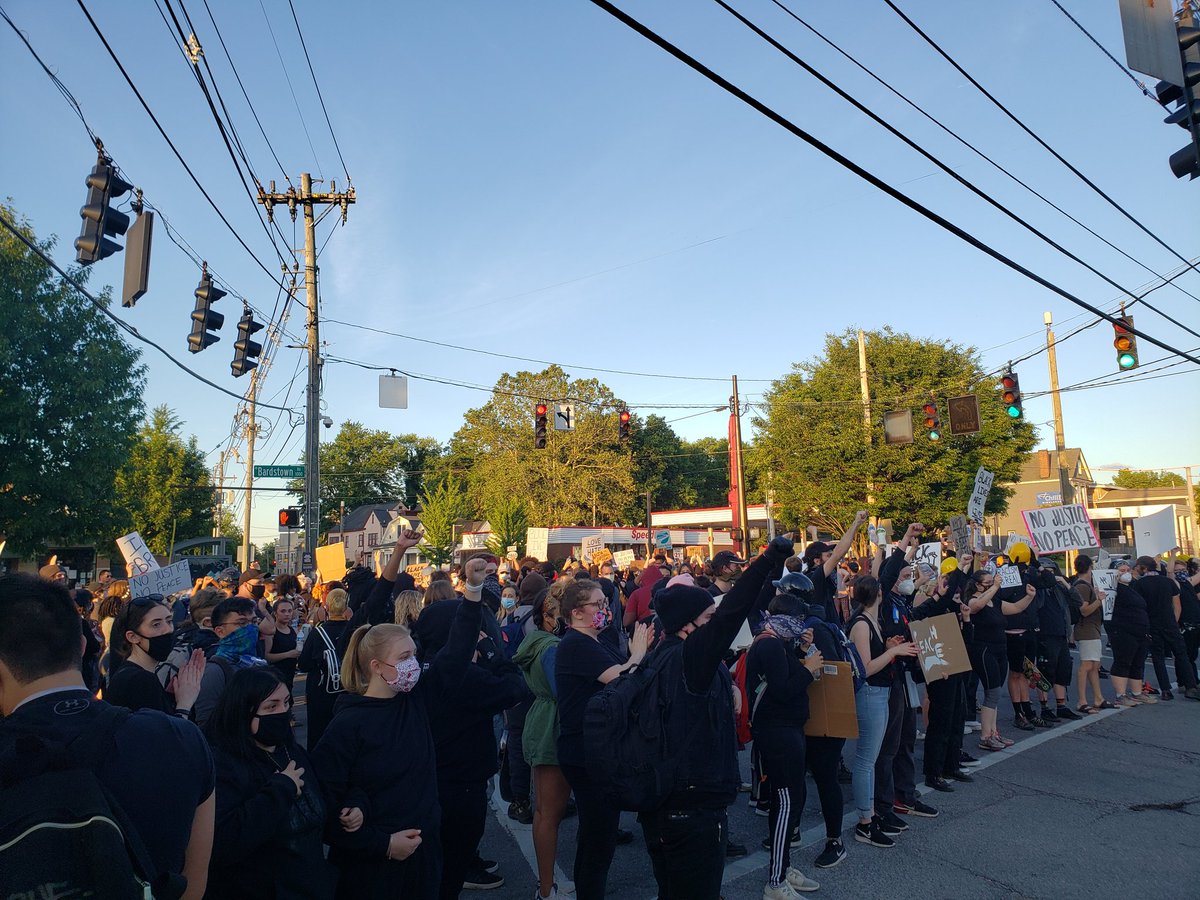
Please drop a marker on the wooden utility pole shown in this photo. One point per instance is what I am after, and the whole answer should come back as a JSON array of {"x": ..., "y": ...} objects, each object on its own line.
[
  {"x": 1060, "y": 441},
  {"x": 738, "y": 473},
  {"x": 306, "y": 200},
  {"x": 220, "y": 507},
  {"x": 251, "y": 434},
  {"x": 866, "y": 402}
]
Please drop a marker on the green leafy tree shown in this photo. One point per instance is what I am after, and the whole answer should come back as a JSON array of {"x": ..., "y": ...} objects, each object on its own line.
[
  {"x": 362, "y": 465},
  {"x": 509, "y": 522},
  {"x": 1143, "y": 479},
  {"x": 165, "y": 486},
  {"x": 443, "y": 505},
  {"x": 812, "y": 438},
  {"x": 702, "y": 472},
  {"x": 581, "y": 476},
  {"x": 266, "y": 557},
  {"x": 70, "y": 387},
  {"x": 230, "y": 526}
]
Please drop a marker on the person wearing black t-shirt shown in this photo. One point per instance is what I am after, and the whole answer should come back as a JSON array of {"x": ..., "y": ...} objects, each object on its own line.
[
  {"x": 1161, "y": 594},
  {"x": 989, "y": 650},
  {"x": 142, "y": 637},
  {"x": 821, "y": 563},
  {"x": 1189, "y": 607},
  {"x": 583, "y": 665}
]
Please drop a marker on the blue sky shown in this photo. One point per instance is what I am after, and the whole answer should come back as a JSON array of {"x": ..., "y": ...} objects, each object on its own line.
[{"x": 534, "y": 178}]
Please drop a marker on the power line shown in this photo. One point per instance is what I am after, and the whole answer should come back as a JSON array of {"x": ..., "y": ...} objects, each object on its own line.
[
  {"x": 858, "y": 170},
  {"x": 311, "y": 72},
  {"x": 288, "y": 79},
  {"x": 1116, "y": 62},
  {"x": 1004, "y": 109}
]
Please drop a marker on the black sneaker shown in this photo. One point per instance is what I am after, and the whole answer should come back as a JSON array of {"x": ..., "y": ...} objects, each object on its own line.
[
  {"x": 487, "y": 865},
  {"x": 1049, "y": 715},
  {"x": 845, "y": 776},
  {"x": 917, "y": 808},
  {"x": 1039, "y": 722},
  {"x": 482, "y": 881},
  {"x": 966, "y": 760},
  {"x": 1103, "y": 672},
  {"x": 735, "y": 851},
  {"x": 1167, "y": 695},
  {"x": 1022, "y": 724},
  {"x": 521, "y": 812},
  {"x": 1065, "y": 712},
  {"x": 939, "y": 784},
  {"x": 890, "y": 818},
  {"x": 888, "y": 828},
  {"x": 871, "y": 834},
  {"x": 833, "y": 854}
]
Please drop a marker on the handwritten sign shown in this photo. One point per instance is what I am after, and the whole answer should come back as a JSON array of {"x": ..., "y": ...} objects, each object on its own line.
[
  {"x": 623, "y": 559},
  {"x": 1106, "y": 580},
  {"x": 600, "y": 557},
  {"x": 960, "y": 531},
  {"x": 940, "y": 647},
  {"x": 331, "y": 561},
  {"x": 1010, "y": 576},
  {"x": 931, "y": 555},
  {"x": 137, "y": 554},
  {"x": 537, "y": 542},
  {"x": 164, "y": 580},
  {"x": 979, "y": 494},
  {"x": 1059, "y": 528},
  {"x": 592, "y": 545},
  {"x": 679, "y": 554}
]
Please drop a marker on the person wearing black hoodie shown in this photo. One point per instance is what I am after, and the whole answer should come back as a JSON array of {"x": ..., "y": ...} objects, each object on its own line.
[
  {"x": 464, "y": 740},
  {"x": 377, "y": 754}
]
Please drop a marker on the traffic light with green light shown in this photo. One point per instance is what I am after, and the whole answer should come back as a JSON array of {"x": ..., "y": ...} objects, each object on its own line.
[
  {"x": 1011, "y": 385},
  {"x": 1125, "y": 344},
  {"x": 932, "y": 421}
]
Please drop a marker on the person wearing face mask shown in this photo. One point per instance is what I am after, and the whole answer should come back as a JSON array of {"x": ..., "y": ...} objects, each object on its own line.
[
  {"x": 251, "y": 587},
  {"x": 1163, "y": 608},
  {"x": 143, "y": 637},
  {"x": 1129, "y": 640},
  {"x": 378, "y": 753},
  {"x": 232, "y": 622},
  {"x": 270, "y": 811},
  {"x": 583, "y": 665}
]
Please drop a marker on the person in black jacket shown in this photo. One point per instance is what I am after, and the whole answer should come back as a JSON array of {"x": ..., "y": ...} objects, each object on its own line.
[
  {"x": 1021, "y": 637},
  {"x": 1054, "y": 629},
  {"x": 322, "y": 660},
  {"x": 270, "y": 811},
  {"x": 682, "y": 834},
  {"x": 377, "y": 754}
]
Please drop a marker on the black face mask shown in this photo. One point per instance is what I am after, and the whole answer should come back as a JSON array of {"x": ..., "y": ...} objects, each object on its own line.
[
  {"x": 274, "y": 729},
  {"x": 160, "y": 646},
  {"x": 257, "y": 591}
]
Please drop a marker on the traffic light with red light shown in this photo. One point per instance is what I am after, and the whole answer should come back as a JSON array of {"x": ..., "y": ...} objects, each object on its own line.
[
  {"x": 1011, "y": 396},
  {"x": 932, "y": 420},
  {"x": 625, "y": 420},
  {"x": 1125, "y": 344},
  {"x": 539, "y": 426},
  {"x": 290, "y": 517}
]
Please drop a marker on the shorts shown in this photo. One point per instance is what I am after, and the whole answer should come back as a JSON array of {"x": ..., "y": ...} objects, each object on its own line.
[
  {"x": 1021, "y": 647},
  {"x": 1089, "y": 651},
  {"x": 1054, "y": 659}
]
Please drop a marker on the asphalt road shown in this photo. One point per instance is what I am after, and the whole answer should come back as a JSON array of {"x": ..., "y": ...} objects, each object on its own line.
[{"x": 1093, "y": 809}]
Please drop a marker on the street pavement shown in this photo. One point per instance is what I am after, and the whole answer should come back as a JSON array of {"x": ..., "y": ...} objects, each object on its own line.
[{"x": 1097, "y": 809}]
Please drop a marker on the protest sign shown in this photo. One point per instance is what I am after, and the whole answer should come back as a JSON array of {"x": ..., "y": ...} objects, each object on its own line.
[
  {"x": 960, "y": 532},
  {"x": 1155, "y": 534},
  {"x": 662, "y": 539},
  {"x": 979, "y": 495},
  {"x": 679, "y": 554},
  {"x": 1106, "y": 580},
  {"x": 831, "y": 710},
  {"x": 940, "y": 647},
  {"x": 537, "y": 543},
  {"x": 331, "y": 561},
  {"x": 600, "y": 557},
  {"x": 623, "y": 559},
  {"x": 1058, "y": 528},
  {"x": 1013, "y": 538},
  {"x": 137, "y": 554},
  {"x": 931, "y": 555},
  {"x": 164, "y": 580},
  {"x": 1010, "y": 576},
  {"x": 591, "y": 545}
]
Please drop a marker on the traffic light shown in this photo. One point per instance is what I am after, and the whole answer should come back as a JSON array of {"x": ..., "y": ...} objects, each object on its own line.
[
  {"x": 932, "y": 421},
  {"x": 99, "y": 220},
  {"x": 244, "y": 349},
  {"x": 1125, "y": 344},
  {"x": 1011, "y": 385},
  {"x": 1186, "y": 160},
  {"x": 539, "y": 426},
  {"x": 290, "y": 517},
  {"x": 204, "y": 320},
  {"x": 624, "y": 418}
]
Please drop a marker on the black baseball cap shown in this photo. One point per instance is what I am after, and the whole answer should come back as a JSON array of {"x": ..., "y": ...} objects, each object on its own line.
[{"x": 726, "y": 558}]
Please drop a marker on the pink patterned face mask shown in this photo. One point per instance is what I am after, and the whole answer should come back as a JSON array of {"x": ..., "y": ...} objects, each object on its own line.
[
  {"x": 408, "y": 671},
  {"x": 602, "y": 618}
]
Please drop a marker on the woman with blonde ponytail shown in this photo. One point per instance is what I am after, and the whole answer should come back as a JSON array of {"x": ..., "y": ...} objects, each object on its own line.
[{"x": 377, "y": 754}]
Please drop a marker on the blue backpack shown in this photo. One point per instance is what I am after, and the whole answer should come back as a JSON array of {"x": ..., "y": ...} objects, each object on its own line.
[
  {"x": 512, "y": 632},
  {"x": 847, "y": 652}
]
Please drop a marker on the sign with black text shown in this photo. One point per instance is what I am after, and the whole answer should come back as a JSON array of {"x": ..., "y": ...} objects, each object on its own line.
[
  {"x": 979, "y": 495},
  {"x": 165, "y": 580},
  {"x": 1059, "y": 528}
]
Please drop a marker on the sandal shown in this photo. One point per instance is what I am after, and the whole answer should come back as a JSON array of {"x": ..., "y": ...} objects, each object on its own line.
[
  {"x": 1107, "y": 704},
  {"x": 1086, "y": 710}
]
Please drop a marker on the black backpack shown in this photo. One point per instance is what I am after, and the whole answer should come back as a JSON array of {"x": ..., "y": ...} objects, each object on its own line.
[
  {"x": 626, "y": 736},
  {"x": 61, "y": 833}
]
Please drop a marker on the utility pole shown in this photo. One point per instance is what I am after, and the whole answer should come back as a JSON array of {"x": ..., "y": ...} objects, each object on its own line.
[
  {"x": 649, "y": 532},
  {"x": 220, "y": 507},
  {"x": 1060, "y": 441},
  {"x": 866, "y": 401},
  {"x": 738, "y": 472},
  {"x": 1191, "y": 502},
  {"x": 306, "y": 199},
  {"x": 251, "y": 434}
]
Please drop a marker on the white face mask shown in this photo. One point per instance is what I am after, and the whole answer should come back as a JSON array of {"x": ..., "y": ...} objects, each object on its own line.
[
  {"x": 906, "y": 587},
  {"x": 1125, "y": 577}
]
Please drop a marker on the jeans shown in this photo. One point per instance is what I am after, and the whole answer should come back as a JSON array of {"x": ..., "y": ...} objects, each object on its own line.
[
  {"x": 464, "y": 817},
  {"x": 596, "y": 840},
  {"x": 872, "y": 708},
  {"x": 687, "y": 851},
  {"x": 824, "y": 754},
  {"x": 1166, "y": 640},
  {"x": 895, "y": 770}
]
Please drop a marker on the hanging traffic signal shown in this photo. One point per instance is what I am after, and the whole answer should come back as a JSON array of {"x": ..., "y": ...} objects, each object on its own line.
[
  {"x": 99, "y": 219},
  {"x": 244, "y": 349},
  {"x": 932, "y": 421},
  {"x": 1011, "y": 397},
  {"x": 204, "y": 320},
  {"x": 539, "y": 426},
  {"x": 290, "y": 517},
  {"x": 1125, "y": 344},
  {"x": 1184, "y": 162},
  {"x": 624, "y": 419}
]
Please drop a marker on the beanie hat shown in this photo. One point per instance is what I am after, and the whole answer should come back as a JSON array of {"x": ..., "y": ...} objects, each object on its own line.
[
  {"x": 1020, "y": 553},
  {"x": 681, "y": 579},
  {"x": 531, "y": 585},
  {"x": 678, "y": 605}
]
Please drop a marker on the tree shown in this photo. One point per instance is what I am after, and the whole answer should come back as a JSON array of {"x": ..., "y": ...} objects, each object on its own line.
[
  {"x": 362, "y": 465},
  {"x": 165, "y": 485},
  {"x": 581, "y": 476},
  {"x": 509, "y": 523},
  {"x": 1142, "y": 479},
  {"x": 443, "y": 504},
  {"x": 812, "y": 437},
  {"x": 230, "y": 527},
  {"x": 70, "y": 387},
  {"x": 265, "y": 557},
  {"x": 679, "y": 474}
]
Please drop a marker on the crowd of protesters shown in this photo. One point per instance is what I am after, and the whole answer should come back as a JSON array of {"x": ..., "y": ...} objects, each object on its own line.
[{"x": 419, "y": 692}]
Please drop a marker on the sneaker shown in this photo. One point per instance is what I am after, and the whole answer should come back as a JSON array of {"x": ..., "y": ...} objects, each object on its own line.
[
  {"x": 1167, "y": 695},
  {"x": 893, "y": 821},
  {"x": 966, "y": 760},
  {"x": 1103, "y": 672},
  {"x": 1007, "y": 742},
  {"x": 1145, "y": 699},
  {"x": 886, "y": 827},
  {"x": 554, "y": 895},
  {"x": 1146, "y": 689},
  {"x": 1065, "y": 712},
  {"x": 1039, "y": 722},
  {"x": 482, "y": 881},
  {"x": 735, "y": 851},
  {"x": 924, "y": 810},
  {"x": 833, "y": 854},
  {"x": 521, "y": 812},
  {"x": 870, "y": 834},
  {"x": 794, "y": 843},
  {"x": 920, "y": 735},
  {"x": 960, "y": 776},
  {"x": 800, "y": 882},
  {"x": 487, "y": 865},
  {"x": 1022, "y": 724},
  {"x": 992, "y": 743},
  {"x": 975, "y": 725},
  {"x": 1192, "y": 693},
  {"x": 744, "y": 787},
  {"x": 781, "y": 891},
  {"x": 1049, "y": 715},
  {"x": 1126, "y": 701},
  {"x": 939, "y": 784},
  {"x": 761, "y": 808}
]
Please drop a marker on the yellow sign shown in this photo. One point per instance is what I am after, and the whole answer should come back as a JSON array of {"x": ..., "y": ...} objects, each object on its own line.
[
  {"x": 331, "y": 561},
  {"x": 600, "y": 557}
]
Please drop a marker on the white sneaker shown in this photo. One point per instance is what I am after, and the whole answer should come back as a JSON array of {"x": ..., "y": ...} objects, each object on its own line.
[
  {"x": 799, "y": 882},
  {"x": 975, "y": 726},
  {"x": 782, "y": 892},
  {"x": 554, "y": 894}
]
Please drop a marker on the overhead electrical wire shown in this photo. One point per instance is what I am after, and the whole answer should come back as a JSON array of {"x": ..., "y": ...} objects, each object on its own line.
[
  {"x": 858, "y": 170},
  {"x": 288, "y": 79},
  {"x": 316, "y": 85},
  {"x": 1116, "y": 62}
]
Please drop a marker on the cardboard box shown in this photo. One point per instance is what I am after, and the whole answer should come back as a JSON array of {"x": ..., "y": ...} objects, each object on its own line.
[{"x": 831, "y": 709}]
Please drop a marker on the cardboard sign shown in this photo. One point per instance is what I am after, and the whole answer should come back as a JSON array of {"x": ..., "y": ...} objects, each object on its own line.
[
  {"x": 1106, "y": 580},
  {"x": 591, "y": 546},
  {"x": 1010, "y": 576},
  {"x": 623, "y": 559},
  {"x": 1058, "y": 528},
  {"x": 415, "y": 569},
  {"x": 662, "y": 539},
  {"x": 136, "y": 553},
  {"x": 979, "y": 494},
  {"x": 960, "y": 531},
  {"x": 600, "y": 557},
  {"x": 164, "y": 580},
  {"x": 940, "y": 647},
  {"x": 537, "y": 543},
  {"x": 931, "y": 555},
  {"x": 331, "y": 561},
  {"x": 678, "y": 554},
  {"x": 831, "y": 709},
  {"x": 1155, "y": 534}
]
